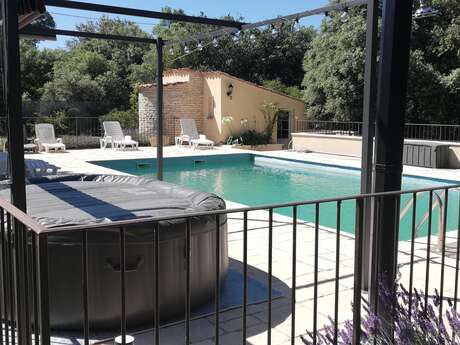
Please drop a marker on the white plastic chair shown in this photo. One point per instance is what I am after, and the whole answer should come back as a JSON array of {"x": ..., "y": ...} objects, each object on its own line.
[
  {"x": 113, "y": 135},
  {"x": 189, "y": 134},
  {"x": 46, "y": 139}
]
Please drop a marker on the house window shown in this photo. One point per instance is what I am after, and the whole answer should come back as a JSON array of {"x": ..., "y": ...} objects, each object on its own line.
[{"x": 283, "y": 125}]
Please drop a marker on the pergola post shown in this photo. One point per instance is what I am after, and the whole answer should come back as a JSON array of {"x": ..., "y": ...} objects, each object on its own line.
[
  {"x": 368, "y": 130},
  {"x": 160, "y": 121},
  {"x": 12, "y": 93},
  {"x": 389, "y": 141}
]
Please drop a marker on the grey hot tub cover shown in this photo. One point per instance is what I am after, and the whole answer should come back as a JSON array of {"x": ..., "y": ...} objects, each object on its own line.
[{"x": 63, "y": 200}]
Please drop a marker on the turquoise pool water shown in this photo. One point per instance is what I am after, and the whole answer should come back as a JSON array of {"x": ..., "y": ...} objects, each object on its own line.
[{"x": 257, "y": 180}]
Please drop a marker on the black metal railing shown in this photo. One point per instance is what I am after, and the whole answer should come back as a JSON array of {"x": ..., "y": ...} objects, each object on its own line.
[
  {"x": 438, "y": 132},
  {"x": 25, "y": 261},
  {"x": 432, "y": 132},
  {"x": 85, "y": 132},
  {"x": 329, "y": 127}
]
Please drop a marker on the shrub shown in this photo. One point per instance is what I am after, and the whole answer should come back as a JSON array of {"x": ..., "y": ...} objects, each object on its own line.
[
  {"x": 59, "y": 120},
  {"x": 252, "y": 137},
  {"x": 127, "y": 118}
]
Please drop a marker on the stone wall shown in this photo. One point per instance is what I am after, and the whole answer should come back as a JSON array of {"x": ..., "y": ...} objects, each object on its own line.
[{"x": 182, "y": 99}]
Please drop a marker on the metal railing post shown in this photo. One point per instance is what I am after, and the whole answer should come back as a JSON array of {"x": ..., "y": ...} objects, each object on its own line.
[
  {"x": 160, "y": 108},
  {"x": 358, "y": 271},
  {"x": 42, "y": 279},
  {"x": 367, "y": 129}
]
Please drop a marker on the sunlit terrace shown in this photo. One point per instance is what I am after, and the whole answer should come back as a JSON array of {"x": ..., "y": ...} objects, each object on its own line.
[{"x": 154, "y": 191}]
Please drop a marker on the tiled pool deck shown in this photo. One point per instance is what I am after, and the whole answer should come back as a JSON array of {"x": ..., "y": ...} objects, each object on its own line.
[{"x": 230, "y": 330}]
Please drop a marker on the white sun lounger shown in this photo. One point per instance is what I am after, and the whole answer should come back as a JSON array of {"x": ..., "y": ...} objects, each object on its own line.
[
  {"x": 46, "y": 139},
  {"x": 189, "y": 134},
  {"x": 113, "y": 135}
]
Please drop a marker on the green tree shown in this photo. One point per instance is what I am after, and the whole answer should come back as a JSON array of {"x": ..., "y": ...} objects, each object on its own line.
[
  {"x": 277, "y": 85},
  {"x": 36, "y": 66},
  {"x": 334, "y": 67},
  {"x": 122, "y": 56},
  {"x": 279, "y": 56},
  {"x": 79, "y": 90}
]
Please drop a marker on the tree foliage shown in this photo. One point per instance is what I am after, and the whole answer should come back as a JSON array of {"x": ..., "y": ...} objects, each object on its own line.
[
  {"x": 279, "y": 56},
  {"x": 94, "y": 77},
  {"x": 277, "y": 85},
  {"x": 334, "y": 67}
]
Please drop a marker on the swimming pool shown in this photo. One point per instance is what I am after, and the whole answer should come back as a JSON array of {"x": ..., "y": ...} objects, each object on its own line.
[{"x": 259, "y": 180}]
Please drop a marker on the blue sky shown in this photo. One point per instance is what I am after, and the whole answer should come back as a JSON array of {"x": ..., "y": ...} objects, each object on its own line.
[{"x": 251, "y": 10}]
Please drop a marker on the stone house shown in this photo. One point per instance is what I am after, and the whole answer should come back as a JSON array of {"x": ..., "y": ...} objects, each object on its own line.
[{"x": 209, "y": 97}]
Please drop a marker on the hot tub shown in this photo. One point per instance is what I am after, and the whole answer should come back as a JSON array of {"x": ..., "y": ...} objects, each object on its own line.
[{"x": 77, "y": 200}]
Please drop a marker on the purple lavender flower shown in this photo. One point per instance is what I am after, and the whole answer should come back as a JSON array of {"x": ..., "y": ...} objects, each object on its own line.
[
  {"x": 422, "y": 325},
  {"x": 371, "y": 324},
  {"x": 454, "y": 320}
]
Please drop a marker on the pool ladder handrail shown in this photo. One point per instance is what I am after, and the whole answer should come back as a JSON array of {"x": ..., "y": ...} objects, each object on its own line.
[{"x": 437, "y": 203}]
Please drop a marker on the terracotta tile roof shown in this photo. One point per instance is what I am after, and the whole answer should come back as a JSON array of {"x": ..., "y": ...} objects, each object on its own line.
[
  {"x": 182, "y": 69},
  {"x": 148, "y": 86}
]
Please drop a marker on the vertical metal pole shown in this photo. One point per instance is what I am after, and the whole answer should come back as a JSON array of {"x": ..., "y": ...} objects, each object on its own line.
[
  {"x": 294, "y": 272},
  {"x": 358, "y": 266},
  {"x": 389, "y": 138},
  {"x": 188, "y": 287},
  {"x": 123, "y": 284},
  {"x": 160, "y": 108},
  {"x": 13, "y": 103},
  {"x": 157, "y": 284},
  {"x": 217, "y": 287},
  {"x": 368, "y": 130},
  {"x": 270, "y": 275},
  {"x": 315, "y": 277},
  {"x": 337, "y": 272},
  {"x": 23, "y": 301},
  {"x": 42, "y": 278},
  {"x": 245, "y": 275},
  {"x": 85, "y": 289}
]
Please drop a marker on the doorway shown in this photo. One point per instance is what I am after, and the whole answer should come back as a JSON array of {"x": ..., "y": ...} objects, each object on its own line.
[{"x": 283, "y": 128}]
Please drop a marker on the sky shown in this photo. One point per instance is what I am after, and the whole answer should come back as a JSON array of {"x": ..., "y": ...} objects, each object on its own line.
[{"x": 250, "y": 10}]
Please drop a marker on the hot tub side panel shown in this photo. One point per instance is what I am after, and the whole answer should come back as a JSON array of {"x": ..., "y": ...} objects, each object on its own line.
[{"x": 65, "y": 265}]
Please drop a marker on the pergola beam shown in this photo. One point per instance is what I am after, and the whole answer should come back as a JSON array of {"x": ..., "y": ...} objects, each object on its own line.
[
  {"x": 56, "y": 32},
  {"x": 298, "y": 15},
  {"x": 84, "y": 6}
]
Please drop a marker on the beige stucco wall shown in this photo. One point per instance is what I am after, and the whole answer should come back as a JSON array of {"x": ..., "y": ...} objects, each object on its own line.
[
  {"x": 212, "y": 106},
  {"x": 454, "y": 157},
  {"x": 335, "y": 144},
  {"x": 203, "y": 97},
  {"x": 351, "y": 146},
  {"x": 245, "y": 103}
]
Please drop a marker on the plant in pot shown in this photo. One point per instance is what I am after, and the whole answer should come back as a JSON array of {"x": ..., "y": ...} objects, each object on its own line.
[
  {"x": 252, "y": 137},
  {"x": 270, "y": 112},
  {"x": 227, "y": 121}
]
